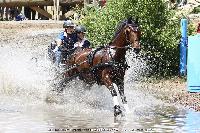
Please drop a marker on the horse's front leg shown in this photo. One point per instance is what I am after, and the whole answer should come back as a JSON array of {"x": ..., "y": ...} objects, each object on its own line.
[
  {"x": 120, "y": 86},
  {"x": 109, "y": 84},
  {"x": 64, "y": 79}
]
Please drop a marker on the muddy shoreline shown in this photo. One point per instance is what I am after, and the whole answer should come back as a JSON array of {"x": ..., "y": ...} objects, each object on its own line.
[{"x": 170, "y": 90}]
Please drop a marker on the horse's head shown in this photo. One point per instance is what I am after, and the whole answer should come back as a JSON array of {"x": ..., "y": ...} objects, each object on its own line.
[{"x": 133, "y": 33}]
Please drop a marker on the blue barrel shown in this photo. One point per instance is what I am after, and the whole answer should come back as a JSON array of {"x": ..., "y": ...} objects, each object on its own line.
[
  {"x": 193, "y": 64},
  {"x": 183, "y": 47}
]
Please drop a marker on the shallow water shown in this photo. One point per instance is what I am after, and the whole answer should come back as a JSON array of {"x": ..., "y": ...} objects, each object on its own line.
[
  {"x": 22, "y": 115},
  {"x": 25, "y": 77}
]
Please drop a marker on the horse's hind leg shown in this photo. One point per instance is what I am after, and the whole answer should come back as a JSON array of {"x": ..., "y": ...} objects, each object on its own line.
[
  {"x": 120, "y": 86},
  {"x": 108, "y": 83}
]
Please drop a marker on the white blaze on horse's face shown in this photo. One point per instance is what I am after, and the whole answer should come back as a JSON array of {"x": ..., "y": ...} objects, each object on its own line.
[{"x": 133, "y": 36}]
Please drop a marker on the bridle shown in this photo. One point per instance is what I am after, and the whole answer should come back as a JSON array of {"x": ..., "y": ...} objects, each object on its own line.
[{"x": 134, "y": 28}]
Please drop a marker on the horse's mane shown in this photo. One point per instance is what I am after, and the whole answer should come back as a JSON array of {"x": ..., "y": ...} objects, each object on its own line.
[{"x": 123, "y": 23}]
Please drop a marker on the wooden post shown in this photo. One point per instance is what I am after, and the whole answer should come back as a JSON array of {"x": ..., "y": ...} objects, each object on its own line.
[
  {"x": 95, "y": 3},
  {"x": 57, "y": 7},
  {"x": 54, "y": 9},
  {"x": 41, "y": 11},
  {"x": 85, "y": 3}
]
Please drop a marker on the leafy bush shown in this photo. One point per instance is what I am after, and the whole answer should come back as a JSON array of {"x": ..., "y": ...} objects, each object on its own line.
[
  {"x": 160, "y": 33},
  {"x": 196, "y": 10}
]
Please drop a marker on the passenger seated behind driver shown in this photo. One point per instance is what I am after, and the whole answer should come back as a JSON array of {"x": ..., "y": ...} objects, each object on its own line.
[
  {"x": 65, "y": 41},
  {"x": 82, "y": 41}
]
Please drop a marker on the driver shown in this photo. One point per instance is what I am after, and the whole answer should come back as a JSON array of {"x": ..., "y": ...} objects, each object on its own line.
[{"x": 65, "y": 42}]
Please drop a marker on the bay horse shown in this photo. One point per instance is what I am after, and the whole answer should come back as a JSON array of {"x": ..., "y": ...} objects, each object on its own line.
[{"x": 106, "y": 65}]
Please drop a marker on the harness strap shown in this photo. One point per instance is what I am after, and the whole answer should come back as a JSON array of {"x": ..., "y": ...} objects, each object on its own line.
[
  {"x": 90, "y": 57},
  {"x": 117, "y": 47}
]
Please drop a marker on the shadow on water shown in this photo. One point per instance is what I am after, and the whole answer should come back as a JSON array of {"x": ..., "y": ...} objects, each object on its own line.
[{"x": 24, "y": 87}]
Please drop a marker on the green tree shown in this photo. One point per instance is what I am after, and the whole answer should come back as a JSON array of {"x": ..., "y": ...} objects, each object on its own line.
[{"x": 160, "y": 31}]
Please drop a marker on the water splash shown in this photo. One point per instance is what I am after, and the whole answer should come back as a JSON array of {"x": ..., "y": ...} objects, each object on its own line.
[
  {"x": 138, "y": 68},
  {"x": 20, "y": 72}
]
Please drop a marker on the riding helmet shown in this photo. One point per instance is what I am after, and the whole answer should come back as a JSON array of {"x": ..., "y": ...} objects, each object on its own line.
[
  {"x": 68, "y": 23},
  {"x": 80, "y": 28}
]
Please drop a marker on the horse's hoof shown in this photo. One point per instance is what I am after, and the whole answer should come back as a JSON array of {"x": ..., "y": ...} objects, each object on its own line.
[{"x": 117, "y": 110}]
